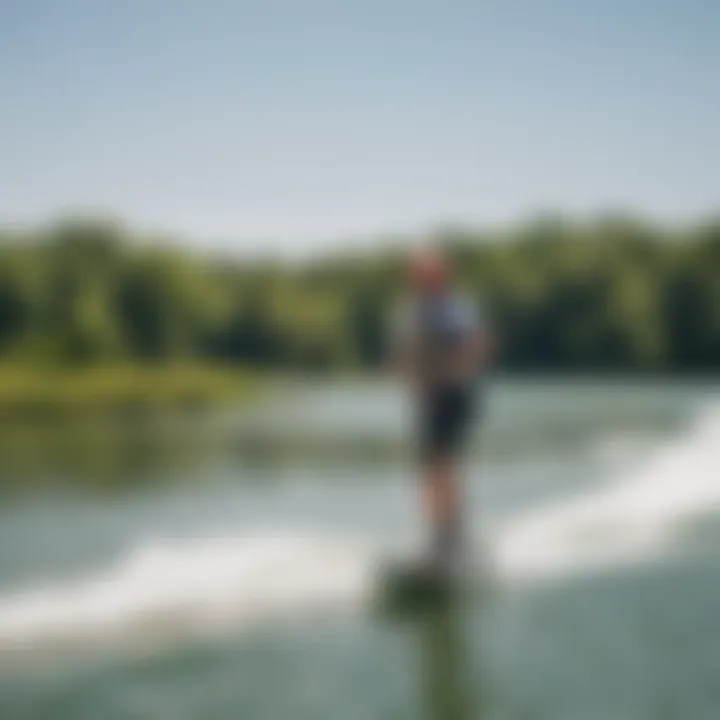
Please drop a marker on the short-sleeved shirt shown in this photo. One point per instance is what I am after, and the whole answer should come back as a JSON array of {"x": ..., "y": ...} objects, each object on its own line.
[{"x": 432, "y": 328}]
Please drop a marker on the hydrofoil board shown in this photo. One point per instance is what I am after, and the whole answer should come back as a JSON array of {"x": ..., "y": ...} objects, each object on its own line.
[{"x": 414, "y": 584}]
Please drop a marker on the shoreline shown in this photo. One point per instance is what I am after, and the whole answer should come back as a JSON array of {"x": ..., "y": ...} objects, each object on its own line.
[{"x": 35, "y": 392}]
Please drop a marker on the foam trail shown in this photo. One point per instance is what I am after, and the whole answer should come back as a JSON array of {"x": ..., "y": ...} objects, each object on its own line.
[
  {"x": 208, "y": 584},
  {"x": 631, "y": 520},
  {"x": 179, "y": 585}
]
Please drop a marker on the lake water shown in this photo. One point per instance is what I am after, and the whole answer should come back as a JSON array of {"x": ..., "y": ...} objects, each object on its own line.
[{"x": 226, "y": 569}]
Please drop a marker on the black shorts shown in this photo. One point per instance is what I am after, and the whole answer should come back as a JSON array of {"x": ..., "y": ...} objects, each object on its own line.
[{"x": 445, "y": 417}]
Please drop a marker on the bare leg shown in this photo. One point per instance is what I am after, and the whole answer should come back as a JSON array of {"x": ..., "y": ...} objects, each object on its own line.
[
  {"x": 439, "y": 490},
  {"x": 441, "y": 503}
]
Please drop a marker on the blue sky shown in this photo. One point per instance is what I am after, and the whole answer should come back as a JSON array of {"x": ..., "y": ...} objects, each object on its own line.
[{"x": 295, "y": 122}]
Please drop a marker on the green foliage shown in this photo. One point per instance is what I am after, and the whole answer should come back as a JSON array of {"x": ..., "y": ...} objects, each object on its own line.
[
  {"x": 45, "y": 392},
  {"x": 611, "y": 295}
]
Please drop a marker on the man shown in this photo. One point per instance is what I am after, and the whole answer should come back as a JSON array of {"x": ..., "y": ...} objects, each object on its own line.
[{"x": 440, "y": 347}]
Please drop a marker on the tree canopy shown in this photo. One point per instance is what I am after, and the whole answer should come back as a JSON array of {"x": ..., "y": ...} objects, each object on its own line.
[{"x": 614, "y": 294}]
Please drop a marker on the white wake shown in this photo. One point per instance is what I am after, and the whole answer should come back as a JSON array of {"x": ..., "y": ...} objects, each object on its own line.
[
  {"x": 172, "y": 585},
  {"x": 630, "y": 520},
  {"x": 175, "y": 586}
]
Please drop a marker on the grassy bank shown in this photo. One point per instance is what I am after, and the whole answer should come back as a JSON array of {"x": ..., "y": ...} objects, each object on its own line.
[{"x": 34, "y": 392}]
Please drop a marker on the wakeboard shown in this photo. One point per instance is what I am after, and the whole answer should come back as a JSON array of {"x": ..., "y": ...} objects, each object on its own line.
[{"x": 408, "y": 585}]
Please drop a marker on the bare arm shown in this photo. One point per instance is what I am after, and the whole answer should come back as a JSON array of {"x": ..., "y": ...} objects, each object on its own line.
[
  {"x": 470, "y": 358},
  {"x": 475, "y": 354}
]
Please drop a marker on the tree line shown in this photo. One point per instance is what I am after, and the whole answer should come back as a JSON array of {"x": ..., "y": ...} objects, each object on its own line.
[{"x": 613, "y": 294}]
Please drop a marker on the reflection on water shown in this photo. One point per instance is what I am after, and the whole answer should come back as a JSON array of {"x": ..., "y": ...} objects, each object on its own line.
[
  {"x": 312, "y": 426},
  {"x": 603, "y": 530},
  {"x": 450, "y": 681},
  {"x": 443, "y": 622},
  {"x": 105, "y": 454}
]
